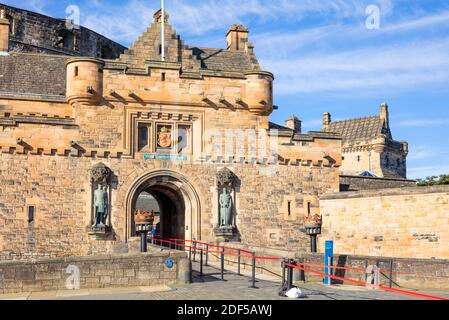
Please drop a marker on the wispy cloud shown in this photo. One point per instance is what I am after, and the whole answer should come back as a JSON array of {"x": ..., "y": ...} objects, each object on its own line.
[
  {"x": 392, "y": 67},
  {"x": 421, "y": 152},
  {"x": 124, "y": 21},
  {"x": 423, "y": 122}
]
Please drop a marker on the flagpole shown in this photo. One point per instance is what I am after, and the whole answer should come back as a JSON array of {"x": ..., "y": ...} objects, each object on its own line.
[{"x": 163, "y": 32}]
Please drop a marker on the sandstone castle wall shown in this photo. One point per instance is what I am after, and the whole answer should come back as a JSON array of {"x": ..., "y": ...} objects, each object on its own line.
[{"x": 403, "y": 223}]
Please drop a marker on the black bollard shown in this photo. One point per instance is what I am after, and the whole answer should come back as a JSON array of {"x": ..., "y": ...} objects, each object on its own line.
[{"x": 143, "y": 242}]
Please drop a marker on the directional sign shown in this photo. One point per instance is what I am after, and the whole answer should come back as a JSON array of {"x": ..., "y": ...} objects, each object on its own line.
[{"x": 328, "y": 260}]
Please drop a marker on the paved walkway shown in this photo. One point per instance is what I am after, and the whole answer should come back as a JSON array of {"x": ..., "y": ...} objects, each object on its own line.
[{"x": 210, "y": 287}]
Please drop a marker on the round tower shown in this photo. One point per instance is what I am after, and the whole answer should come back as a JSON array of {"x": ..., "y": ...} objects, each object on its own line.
[
  {"x": 259, "y": 92},
  {"x": 84, "y": 80}
]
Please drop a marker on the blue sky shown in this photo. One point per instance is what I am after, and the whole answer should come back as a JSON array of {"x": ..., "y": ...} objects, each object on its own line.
[{"x": 323, "y": 56}]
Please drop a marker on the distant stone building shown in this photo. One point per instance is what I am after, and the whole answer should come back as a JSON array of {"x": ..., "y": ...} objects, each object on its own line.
[
  {"x": 36, "y": 33},
  {"x": 368, "y": 146}
]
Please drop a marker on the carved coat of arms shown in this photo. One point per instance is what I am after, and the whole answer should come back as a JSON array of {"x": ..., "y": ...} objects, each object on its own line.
[{"x": 164, "y": 138}]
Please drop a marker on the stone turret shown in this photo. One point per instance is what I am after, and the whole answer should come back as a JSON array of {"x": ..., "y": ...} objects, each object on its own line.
[
  {"x": 85, "y": 81},
  {"x": 259, "y": 92},
  {"x": 4, "y": 31}
]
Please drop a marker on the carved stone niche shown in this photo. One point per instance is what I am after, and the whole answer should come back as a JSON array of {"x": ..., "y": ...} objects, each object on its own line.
[
  {"x": 226, "y": 224},
  {"x": 100, "y": 226}
]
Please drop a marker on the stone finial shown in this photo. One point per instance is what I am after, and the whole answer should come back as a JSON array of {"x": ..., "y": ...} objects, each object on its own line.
[
  {"x": 384, "y": 114},
  {"x": 293, "y": 123},
  {"x": 158, "y": 15},
  {"x": 2, "y": 14},
  {"x": 327, "y": 119}
]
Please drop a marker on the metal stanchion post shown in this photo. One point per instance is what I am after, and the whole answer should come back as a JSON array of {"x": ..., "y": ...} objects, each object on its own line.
[
  {"x": 283, "y": 271},
  {"x": 254, "y": 272},
  {"x": 201, "y": 263},
  {"x": 289, "y": 275},
  {"x": 238, "y": 263},
  {"x": 207, "y": 255},
  {"x": 391, "y": 273},
  {"x": 190, "y": 253},
  {"x": 194, "y": 251},
  {"x": 222, "y": 264}
]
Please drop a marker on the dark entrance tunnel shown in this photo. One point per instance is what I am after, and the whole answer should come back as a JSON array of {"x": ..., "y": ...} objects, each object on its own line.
[{"x": 168, "y": 205}]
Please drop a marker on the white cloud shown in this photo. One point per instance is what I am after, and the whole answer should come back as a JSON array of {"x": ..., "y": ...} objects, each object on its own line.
[
  {"x": 392, "y": 67},
  {"x": 423, "y": 122},
  {"x": 124, "y": 22},
  {"x": 426, "y": 152}
]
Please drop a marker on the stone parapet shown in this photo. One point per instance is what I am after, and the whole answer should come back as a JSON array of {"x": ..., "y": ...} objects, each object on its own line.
[{"x": 115, "y": 270}]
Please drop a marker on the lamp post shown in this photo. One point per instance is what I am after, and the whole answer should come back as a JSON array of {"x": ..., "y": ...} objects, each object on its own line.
[
  {"x": 313, "y": 230},
  {"x": 143, "y": 221}
]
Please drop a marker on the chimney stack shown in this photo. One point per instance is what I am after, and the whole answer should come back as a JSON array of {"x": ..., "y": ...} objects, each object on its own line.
[
  {"x": 237, "y": 38},
  {"x": 326, "y": 119},
  {"x": 4, "y": 31},
  {"x": 384, "y": 114},
  {"x": 293, "y": 123}
]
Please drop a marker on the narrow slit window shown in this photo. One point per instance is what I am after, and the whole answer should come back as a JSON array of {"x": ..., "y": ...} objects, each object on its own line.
[
  {"x": 76, "y": 71},
  {"x": 31, "y": 213},
  {"x": 163, "y": 76},
  {"x": 309, "y": 208},
  {"x": 289, "y": 208}
]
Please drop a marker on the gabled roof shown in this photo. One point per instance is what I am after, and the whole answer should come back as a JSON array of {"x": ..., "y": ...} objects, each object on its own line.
[
  {"x": 224, "y": 60},
  {"x": 192, "y": 59},
  {"x": 358, "y": 129}
]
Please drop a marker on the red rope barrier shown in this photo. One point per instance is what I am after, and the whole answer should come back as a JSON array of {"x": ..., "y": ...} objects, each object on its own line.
[
  {"x": 250, "y": 256},
  {"x": 419, "y": 295}
]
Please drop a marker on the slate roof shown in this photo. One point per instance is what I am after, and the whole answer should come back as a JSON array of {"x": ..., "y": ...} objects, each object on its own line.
[
  {"x": 224, "y": 60},
  {"x": 28, "y": 73},
  {"x": 358, "y": 129},
  {"x": 275, "y": 126}
]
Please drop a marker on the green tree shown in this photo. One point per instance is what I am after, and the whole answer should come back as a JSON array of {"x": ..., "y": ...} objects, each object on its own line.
[{"x": 434, "y": 181}]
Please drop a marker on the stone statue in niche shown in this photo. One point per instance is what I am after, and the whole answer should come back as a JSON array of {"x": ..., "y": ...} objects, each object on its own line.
[
  {"x": 225, "y": 208},
  {"x": 225, "y": 184},
  {"x": 100, "y": 180},
  {"x": 101, "y": 205}
]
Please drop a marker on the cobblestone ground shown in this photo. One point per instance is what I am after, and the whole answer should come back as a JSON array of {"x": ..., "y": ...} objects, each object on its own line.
[{"x": 210, "y": 287}]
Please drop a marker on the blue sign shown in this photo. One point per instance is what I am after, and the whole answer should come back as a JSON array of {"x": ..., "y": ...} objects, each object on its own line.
[
  {"x": 169, "y": 263},
  {"x": 164, "y": 157},
  {"x": 328, "y": 260}
]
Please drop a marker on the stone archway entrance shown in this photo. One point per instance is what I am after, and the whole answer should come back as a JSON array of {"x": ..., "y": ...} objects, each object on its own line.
[{"x": 177, "y": 200}]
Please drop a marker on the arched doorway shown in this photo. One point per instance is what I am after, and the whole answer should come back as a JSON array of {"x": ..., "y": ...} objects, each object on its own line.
[{"x": 176, "y": 199}]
